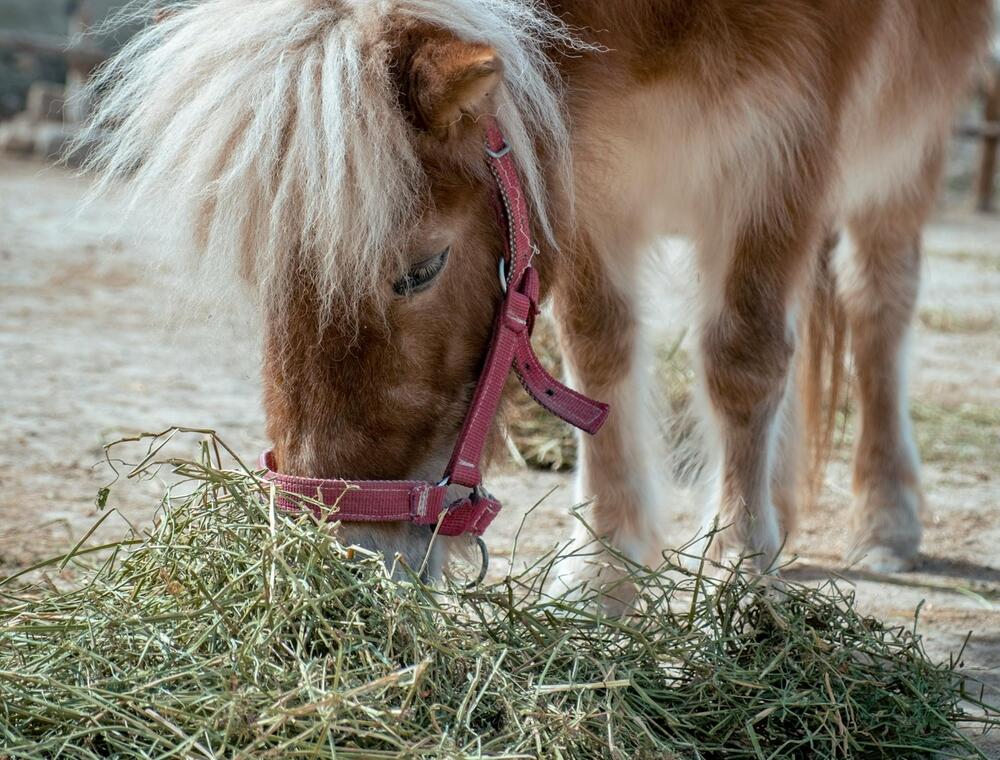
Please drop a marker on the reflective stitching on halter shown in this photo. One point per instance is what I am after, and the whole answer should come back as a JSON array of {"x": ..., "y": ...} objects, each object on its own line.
[{"x": 511, "y": 231}]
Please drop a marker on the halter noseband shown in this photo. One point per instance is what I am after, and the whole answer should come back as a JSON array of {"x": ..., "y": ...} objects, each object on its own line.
[{"x": 425, "y": 503}]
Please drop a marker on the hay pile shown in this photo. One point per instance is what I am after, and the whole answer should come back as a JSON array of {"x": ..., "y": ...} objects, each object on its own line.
[{"x": 234, "y": 631}]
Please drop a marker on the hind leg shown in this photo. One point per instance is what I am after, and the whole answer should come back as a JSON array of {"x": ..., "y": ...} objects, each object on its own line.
[
  {"x": 878, "y": 275},
  {"x": 748, "y": 339}
]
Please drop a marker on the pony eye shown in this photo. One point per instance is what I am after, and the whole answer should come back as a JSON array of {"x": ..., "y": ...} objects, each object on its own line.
[{"x": 422, "y": 274}]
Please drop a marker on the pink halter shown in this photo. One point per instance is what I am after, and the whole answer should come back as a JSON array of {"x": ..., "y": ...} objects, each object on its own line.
[{"x": 425, "y": 503}]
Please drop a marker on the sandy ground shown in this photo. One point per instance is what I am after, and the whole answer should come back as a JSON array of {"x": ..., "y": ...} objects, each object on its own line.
[{"x": 87, "y": 354}]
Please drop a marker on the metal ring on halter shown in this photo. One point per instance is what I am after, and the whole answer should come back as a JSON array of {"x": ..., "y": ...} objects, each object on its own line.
[
  {"x": 485, "y": 566},
  {"x": 498, "y": 153},
  {"x": 502, "y": 271}
]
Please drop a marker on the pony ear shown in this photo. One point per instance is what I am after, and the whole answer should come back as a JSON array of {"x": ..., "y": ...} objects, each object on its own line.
[{"x": 450, "y": 79}]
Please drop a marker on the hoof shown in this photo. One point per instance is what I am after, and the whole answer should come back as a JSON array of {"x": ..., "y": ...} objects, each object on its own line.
[
  {"x": 885, "y": 530},
  {"x": 765, "y": 574},
  {"x": 597, "y": 580},
  {"x": 726, "y": 555},
  {"x": 882, "y": 559}
]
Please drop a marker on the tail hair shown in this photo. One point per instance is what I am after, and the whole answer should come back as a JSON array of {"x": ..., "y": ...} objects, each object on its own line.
[{"x": 823, "y": 371}]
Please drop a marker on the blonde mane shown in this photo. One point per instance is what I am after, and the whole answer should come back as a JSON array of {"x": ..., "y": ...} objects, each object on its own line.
[{"x": 269, "y": 132}]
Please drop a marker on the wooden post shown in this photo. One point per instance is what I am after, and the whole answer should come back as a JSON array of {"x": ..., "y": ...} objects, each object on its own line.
[
  {"x": 986, "y": 182},
  {"x": 77, "y": 108}
]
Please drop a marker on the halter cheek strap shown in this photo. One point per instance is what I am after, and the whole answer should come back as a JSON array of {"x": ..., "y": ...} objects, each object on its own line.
[
  {"x": 511, "y": 343},
  {"x": 424, "y": 503}
]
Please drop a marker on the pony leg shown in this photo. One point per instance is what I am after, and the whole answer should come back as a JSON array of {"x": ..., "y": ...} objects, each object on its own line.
[
  {"x": 747, "y": 343},
  {"x": 878, "y": 276},
  {"x": 788, "y": 467},
  {"x": 606, "y": 357}
]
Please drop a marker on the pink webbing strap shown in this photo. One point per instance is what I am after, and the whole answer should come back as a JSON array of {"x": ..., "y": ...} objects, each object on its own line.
[
  {"x": 511, "y": 344},
  {"x": 414, "y": 501}
]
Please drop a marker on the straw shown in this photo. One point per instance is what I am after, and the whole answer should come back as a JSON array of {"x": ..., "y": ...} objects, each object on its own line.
[{"x": 234, "y": 630}]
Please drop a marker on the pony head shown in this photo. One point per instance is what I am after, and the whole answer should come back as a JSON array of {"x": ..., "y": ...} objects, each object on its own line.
[{"x": 327, "y": 156}]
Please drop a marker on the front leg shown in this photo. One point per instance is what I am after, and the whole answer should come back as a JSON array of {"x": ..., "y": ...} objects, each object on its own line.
[{"x": 606, "y": 356}]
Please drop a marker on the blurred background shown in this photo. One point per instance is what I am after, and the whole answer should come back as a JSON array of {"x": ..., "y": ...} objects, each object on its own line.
[
  {"x": 48, "y": 49},
  {"x": 88, "y": 354}
]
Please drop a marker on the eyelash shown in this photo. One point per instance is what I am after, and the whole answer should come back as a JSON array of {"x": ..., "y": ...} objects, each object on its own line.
[{"x": 421, "y": 275}]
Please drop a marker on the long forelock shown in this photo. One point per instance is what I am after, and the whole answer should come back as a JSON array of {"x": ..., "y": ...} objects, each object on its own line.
[{"x": 270, "y": 132}]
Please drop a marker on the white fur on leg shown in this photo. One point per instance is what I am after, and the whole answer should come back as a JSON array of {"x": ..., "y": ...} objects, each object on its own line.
[{"x": 625, "y": 495}]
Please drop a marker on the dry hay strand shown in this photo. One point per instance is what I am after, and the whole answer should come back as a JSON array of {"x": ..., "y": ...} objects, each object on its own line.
[{"x": 234, "y": 630}]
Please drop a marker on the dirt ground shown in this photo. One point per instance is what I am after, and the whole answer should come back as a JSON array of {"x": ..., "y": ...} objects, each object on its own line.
[{"x": 88, "y": 353}]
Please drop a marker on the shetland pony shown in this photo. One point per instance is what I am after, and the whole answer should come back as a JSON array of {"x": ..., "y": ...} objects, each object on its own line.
[{"x": 327, "y": 155}]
